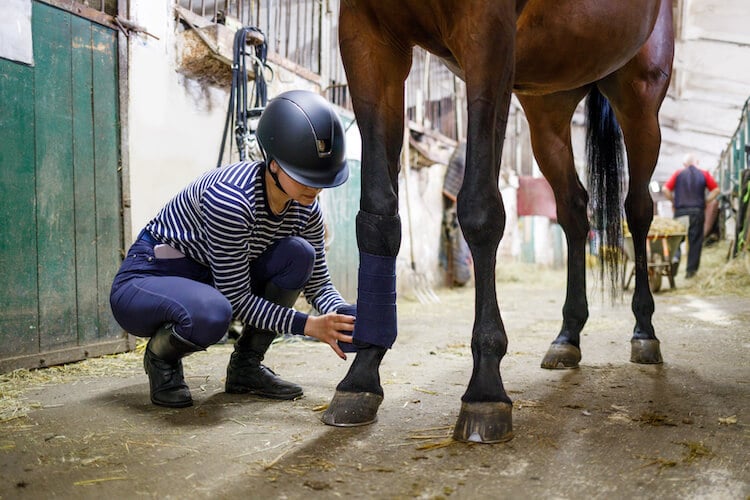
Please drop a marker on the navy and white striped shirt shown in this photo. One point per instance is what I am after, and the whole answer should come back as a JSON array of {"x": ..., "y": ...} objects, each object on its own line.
[{"x": 223, "y": 220}]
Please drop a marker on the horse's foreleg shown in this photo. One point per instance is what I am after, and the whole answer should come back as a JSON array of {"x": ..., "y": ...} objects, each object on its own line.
[
  {"x": 549, "y": 123},
  {"x": 486, "y": 410},
  {"x": 359, "y": 394},
  {"x": 376, "y": 83}
]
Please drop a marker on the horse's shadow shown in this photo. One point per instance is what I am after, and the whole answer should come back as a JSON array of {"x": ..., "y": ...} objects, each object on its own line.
[{"x": 625, "y": 392}]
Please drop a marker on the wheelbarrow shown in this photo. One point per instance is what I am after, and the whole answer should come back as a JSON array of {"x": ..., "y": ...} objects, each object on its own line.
[{"x": 660, "y": 251}]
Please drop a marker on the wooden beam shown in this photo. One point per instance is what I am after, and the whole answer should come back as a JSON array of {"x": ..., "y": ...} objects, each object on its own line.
[
  {"x": 82, "y": 10},
  {"x": 68, "y": 355}
]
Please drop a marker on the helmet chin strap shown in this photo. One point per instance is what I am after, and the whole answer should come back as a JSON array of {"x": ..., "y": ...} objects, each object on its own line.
[{"x": 275, "y": 177}]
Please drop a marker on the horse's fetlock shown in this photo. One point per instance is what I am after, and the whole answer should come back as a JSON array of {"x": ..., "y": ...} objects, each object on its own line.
[{"x": 490, "y": 347}]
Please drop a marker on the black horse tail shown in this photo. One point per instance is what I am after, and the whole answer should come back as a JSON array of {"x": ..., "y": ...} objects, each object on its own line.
[{"x": 604, "y": 151}]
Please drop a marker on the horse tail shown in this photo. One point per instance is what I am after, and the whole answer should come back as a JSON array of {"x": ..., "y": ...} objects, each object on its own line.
[{"x": 605, "y": 173}]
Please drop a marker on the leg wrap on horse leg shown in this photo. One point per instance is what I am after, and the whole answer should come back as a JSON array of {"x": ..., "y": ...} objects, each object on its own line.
[
  {"x": 379, "y": 239},
  {"x": 376, "y": 301}
]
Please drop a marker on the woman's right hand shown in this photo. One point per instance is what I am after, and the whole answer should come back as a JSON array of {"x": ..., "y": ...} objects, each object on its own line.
[{"x": 328, "y": 328}]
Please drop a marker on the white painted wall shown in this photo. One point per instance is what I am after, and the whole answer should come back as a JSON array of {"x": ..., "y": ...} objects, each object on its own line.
[{"x": 174, "y": 124}]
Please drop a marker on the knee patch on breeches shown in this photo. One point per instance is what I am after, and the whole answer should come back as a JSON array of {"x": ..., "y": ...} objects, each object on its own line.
[{"x": 300, "y": 261}]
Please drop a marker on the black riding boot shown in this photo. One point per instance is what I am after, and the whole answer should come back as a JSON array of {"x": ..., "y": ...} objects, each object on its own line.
[
  {"x": 163, "y": 364},
  {"x": 245, "y": 373}
]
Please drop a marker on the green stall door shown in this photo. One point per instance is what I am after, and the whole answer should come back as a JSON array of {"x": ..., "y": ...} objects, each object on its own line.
[{"x": 59, "y": 194}]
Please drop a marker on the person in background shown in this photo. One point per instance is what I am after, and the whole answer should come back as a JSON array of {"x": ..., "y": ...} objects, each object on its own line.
[
  {"x": 687, "y": 190},
  {"x": 241, "y": 241}
]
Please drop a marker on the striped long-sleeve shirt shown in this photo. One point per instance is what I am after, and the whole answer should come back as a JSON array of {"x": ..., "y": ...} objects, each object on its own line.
[{"x": 223, "y": 220}]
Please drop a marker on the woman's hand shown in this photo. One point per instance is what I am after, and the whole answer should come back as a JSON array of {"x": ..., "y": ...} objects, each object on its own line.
[{"x": 329, "y": 328}]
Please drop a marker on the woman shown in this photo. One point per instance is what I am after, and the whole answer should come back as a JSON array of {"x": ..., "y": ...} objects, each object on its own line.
[{"x": 241, "y": 242}]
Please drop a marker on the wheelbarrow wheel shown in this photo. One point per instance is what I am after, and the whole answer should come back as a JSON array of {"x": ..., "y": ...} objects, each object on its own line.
[
  {"x": 654, "y": 272},
  {"x": 626, "y": 277}
]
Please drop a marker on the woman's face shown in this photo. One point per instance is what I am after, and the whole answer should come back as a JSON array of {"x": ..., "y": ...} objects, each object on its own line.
[{"x": 304, "y": 195}]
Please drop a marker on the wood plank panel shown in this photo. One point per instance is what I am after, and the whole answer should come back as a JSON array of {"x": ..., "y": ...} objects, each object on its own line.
[
  {"x": 18, "y": 255},
  {"x": 54, "y": 163},
  {"x": 83, "y": 175},
  {"x": 107, "y": 172}
]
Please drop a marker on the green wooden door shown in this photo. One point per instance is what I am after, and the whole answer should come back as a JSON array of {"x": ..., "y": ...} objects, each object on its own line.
[{"x": 61, "y": 230}]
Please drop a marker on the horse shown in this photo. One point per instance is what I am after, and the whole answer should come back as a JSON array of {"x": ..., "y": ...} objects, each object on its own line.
[{"x": 552, "y": 55}]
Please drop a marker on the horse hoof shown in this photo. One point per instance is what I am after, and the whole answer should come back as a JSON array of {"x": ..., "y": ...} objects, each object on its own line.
[
  {"x": 561, "y": 356},
  {"x": 645, "y": 352},
  {"x": 484, "y": 423},
  {"x": 352, "y": 409}
]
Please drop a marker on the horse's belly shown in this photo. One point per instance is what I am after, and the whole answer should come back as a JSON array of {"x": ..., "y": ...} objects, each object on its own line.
[{"x": 567, "y": 44}]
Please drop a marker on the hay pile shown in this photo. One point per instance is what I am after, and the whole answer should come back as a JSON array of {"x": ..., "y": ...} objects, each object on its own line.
[
  {"x": 660, "y": 226},
  {"x": 14, "y": 385},
  {"x": 721, "y": 276},
  {"x": 12, "y": 403}
]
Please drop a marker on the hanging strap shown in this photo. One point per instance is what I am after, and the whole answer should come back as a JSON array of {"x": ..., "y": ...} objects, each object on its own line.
[{"x": 237, "y": 111}]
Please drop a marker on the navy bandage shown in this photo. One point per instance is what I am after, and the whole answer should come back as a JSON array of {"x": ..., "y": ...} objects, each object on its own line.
[
  {"x": 349, "y": 310},
  {"x": 376, "y": 300}
]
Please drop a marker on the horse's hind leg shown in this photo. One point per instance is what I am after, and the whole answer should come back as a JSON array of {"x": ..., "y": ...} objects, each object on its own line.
[
  {"x": 376, "y": 71},
  {"x": 636, "y": 92},
  {"x": 549, "y": 122},
  {"x": 643, "y": 146}
]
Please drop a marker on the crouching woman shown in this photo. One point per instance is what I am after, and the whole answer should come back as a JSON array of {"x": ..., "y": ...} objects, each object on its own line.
[{"x": 241, "y": 241}]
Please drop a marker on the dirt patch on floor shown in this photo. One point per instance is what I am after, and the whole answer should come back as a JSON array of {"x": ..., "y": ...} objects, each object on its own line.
[{"x": 610, "y": 429}]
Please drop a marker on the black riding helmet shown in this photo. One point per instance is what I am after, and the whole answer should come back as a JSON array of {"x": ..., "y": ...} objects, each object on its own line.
[{"x": 301, "y": 131}]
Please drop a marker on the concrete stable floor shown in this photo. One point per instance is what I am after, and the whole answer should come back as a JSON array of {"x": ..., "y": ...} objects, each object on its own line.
[{"x": 610, "y": 429}]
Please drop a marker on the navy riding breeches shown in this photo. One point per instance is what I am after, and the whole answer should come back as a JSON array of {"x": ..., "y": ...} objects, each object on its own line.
[{"x": 149, "y": 292}]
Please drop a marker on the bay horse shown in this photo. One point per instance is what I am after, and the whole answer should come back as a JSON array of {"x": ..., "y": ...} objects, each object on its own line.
[{"x": 552, "y": 54}]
